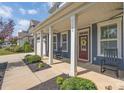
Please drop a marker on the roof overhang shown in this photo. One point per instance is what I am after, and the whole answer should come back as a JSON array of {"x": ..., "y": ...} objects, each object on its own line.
[
  {"x": 63, "y": 11},
  {"x": 88, "y": 13}
]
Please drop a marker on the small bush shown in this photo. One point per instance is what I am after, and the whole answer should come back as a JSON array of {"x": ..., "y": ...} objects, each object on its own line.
[
  {"x": 18, "y": 49},
  {"x": 59, "y": 80},
  {"x": 40, "y": 65},
  {"x": 76, "y": 83},
  {"x": 33, "y": 58},
  {"x": 26, "y": 57},
  {"x": 27, "y": 47},
  {"x": 7, "y": 48},
  {"x": 10, "y": 49},
  {"x": 14, "y": 49}
]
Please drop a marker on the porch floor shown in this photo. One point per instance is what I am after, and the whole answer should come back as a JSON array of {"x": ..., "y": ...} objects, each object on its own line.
[{"x": 92, "y": 72}]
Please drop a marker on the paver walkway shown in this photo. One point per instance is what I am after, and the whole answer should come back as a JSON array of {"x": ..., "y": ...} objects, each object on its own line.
[{"x": 19, "y": 76}]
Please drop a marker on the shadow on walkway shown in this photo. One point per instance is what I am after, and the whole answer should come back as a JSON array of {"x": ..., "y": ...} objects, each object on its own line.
[
  {"x": 15, "y": 64},
  {"x": 3, "y": 67},
  {"x": 48, "y": 85}
]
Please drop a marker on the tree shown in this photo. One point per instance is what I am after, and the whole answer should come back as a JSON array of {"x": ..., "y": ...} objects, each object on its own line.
[{"x": 6, "y": 28}]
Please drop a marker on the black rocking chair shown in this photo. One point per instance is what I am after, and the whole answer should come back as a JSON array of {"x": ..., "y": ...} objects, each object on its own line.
[{"x": 110, "y": 61}]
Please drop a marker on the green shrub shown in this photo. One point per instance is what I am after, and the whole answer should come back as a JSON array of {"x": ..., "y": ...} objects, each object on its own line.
[
  {"x": 40, "y": 65},
  {"x": 27, "y": 55},
  {"x": 18, "y": 49},
  {"x": 27, "y": 47},
  {"x": 33, "y": 58},
  {"x": 76, "y": 83},
  {"x": 7, "y": 48},
  {"x": 11, "y": 48},
  {"x": 59, "y": 80}
]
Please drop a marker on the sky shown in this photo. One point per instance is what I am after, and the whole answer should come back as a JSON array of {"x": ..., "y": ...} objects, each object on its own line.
[{"x": 23, "y": 12}]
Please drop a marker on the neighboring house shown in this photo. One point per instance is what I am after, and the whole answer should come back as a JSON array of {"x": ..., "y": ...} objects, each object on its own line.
[
  {"x": 83, "y": 30},
  {"x": 23, "y": 37},
  {"x": 27, "y": 36}
]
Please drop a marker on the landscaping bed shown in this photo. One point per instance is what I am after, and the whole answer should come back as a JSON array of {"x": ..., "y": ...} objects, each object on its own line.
[
  {"x": 49, "y": 85},
  {"x": 34, "y": 63},
  {"x": 3, "y": 67},
  {"x": 65, "y": 82},
  {"x": 34, "y": 66}
]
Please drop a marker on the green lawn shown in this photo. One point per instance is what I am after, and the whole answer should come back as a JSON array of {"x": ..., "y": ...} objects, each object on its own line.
[{"x": 5, "y": 52}]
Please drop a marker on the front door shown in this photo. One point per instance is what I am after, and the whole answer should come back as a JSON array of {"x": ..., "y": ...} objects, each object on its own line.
[{"x": 83, "y": 43}]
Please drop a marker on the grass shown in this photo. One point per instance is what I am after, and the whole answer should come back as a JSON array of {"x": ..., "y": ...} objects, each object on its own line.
[{"x": 5, "y": 52}]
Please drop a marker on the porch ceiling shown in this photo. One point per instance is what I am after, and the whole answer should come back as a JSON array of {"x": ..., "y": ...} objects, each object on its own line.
[{"x": 98, "y": 12}]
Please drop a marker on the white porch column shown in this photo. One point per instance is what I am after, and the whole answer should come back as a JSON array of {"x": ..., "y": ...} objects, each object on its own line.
[
  {"x": 50, "y": 45},
  {"x": 73, "y": 65},
  {"x": 41, "y": 44},
  {"x": 35, "y": 44}
]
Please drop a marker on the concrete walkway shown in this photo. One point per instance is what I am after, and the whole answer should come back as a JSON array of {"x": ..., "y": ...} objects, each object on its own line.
[
  {"x": 99, "y": 79},
  {"x": 19, "y": 77}
]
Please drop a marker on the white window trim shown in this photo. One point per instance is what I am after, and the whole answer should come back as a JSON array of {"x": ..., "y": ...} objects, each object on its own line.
[
  {"x": 55, "y": 35},
  {"x": 110, "y": 22},
  {"x": 66, "y": 41}
]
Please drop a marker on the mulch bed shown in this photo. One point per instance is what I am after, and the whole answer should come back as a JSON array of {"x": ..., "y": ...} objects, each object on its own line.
[
  {"x": 48, "y": 85},
  {"x": 3, "y": 67},
  {"x": 34, "y": 66}
]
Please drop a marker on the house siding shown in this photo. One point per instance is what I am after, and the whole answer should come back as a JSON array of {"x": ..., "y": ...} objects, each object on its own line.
[
  {"x": 95, "y": 58},
  {"x": 64, "y": 54}
]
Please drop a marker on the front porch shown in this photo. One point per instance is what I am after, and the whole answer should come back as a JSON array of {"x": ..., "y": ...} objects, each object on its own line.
[
  {"x": 90, "y": 71},
  {"x": 21, "y": 74},
  {"x": 83, "y": 33}
]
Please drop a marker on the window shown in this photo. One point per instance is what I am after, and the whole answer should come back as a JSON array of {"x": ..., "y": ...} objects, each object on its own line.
[
  {"x": 109, "y": 36},
  {"x": 64, "y": 41},
  {"x": 55, "y": 42}
]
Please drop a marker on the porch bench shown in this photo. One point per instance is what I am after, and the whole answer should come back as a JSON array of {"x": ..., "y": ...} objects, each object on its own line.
[
  {"x": 110, "y": 61},
  {"x": 58, "y": 54}
]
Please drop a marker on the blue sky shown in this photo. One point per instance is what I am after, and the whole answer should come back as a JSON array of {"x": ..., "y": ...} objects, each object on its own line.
[{"x": 23, "y": 12}]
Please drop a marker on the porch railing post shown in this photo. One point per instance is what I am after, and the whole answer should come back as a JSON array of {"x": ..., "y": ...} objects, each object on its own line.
[
  {"x": 73, "y": 66},
  {"x": 50, "y": 45}
]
